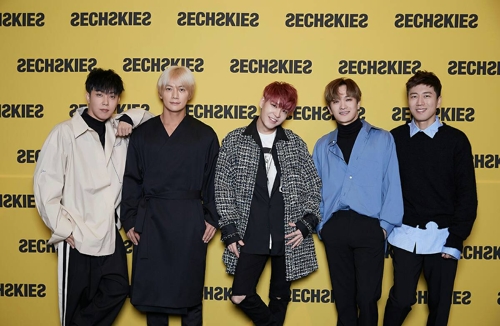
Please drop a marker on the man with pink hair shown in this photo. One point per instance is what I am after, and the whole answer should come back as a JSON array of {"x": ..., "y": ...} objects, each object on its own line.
[{"x": 267, "y": 194}]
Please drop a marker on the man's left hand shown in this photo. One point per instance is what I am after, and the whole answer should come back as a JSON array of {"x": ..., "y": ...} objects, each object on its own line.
[
  {"x": 124, "y": 129},
  {"x": 295, "y": 237}
]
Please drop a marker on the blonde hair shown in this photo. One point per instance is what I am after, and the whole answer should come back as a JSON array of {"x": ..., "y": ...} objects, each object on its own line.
[{"x": 181, "y": 74}]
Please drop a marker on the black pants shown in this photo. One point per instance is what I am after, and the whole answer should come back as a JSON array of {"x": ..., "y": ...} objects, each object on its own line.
[
  {"x": 354, "y": 246},
  {"x": 246, "y": 277},
  {"x": 193, "y": 317},
  {"x": 439, "y": 274},
  {"x": 97, "y": 286}
]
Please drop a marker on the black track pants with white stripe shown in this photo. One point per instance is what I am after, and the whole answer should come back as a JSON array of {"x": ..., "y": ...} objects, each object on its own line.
[{"x": 92, "y": 289}]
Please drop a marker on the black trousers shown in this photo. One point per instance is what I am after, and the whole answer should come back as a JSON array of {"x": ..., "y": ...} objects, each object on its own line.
[
  {"x": 246, "y": 277},
  {"x": 97, "y": 286},
  {"x": 193, "y": 317},
  {"x": 355, "y": 246},
  {"x": 439, "y": 274}
]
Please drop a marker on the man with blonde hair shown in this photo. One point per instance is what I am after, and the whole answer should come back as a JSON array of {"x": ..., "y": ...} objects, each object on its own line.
[{"x": 168, "y": 207}]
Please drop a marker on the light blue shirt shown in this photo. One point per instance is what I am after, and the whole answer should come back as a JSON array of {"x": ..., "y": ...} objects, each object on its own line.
[
  {"x": 430, "y": 240},
  {"x": 369, "y": 184}
]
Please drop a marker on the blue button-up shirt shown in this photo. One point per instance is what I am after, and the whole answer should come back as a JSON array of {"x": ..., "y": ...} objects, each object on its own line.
[
  {"x": 369, "y": 184},
  {"x": 430, "y": 240}
]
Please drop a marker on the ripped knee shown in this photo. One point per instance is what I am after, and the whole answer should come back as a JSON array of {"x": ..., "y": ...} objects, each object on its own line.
[
  {"x": 236, "y": 299},
  {"x": 280, "y": 298}
]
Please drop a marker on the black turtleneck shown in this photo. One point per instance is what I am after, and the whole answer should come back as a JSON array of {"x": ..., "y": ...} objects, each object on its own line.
[
  {"x": 347, "y": 136},
  {"x": 96, "y": 125}
]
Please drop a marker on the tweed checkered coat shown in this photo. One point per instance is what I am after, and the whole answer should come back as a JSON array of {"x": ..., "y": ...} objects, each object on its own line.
[{"x": 235, "y": 176}]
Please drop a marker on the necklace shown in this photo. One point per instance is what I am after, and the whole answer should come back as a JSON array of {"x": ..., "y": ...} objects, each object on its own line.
[
  {"x": 267, "y": 145},
  {"x": 268, "y": 160}
]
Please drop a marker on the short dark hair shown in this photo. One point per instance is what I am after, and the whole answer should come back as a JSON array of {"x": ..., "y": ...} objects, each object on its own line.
[
  {"x": 332, "y": 89},
  {"x": 106, "y": 81},
  {"x": 423, "y": 77}
]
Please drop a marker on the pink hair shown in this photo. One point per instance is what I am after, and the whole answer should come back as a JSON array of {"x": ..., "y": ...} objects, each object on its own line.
[{"x": 283, "y": 94}]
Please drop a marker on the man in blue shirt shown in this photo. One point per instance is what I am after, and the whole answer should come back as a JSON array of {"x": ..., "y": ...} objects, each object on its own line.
[
  {"x": 440, "y": 203},
  {"x": 361, "y": 203}
]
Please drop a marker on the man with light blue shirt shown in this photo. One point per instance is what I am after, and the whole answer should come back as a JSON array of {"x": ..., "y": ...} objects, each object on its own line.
[
  {"x": 440, "y": 204},
  {"x": 361, "y": 203}
]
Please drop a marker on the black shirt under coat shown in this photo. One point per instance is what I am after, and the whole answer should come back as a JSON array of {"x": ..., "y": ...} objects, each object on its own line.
[
  {"x": 266, "y": 212},
  {"x": 100, "y": 126}
]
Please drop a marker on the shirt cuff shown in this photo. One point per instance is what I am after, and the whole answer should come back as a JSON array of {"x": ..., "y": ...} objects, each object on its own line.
[
  {"x": 127, "y": 119},
  {"x": 455, "y": 253},
  {"x": 387, "y": 227},
  {"x": 303, "y": 228},
  {"x": 234, "y": 238},
  {"x": 453, "y": 241},
  {"x": 229, "y": 234}
]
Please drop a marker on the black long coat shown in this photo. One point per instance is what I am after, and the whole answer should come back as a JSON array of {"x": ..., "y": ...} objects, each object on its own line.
[{"x": 168, "y": 194}]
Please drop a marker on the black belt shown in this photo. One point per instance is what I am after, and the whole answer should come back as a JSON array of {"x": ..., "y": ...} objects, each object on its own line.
[{"x": 143, "y": 205}]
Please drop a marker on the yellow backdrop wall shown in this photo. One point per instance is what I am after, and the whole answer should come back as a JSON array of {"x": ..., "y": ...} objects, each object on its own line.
[{"x": 235, "y": 48}]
